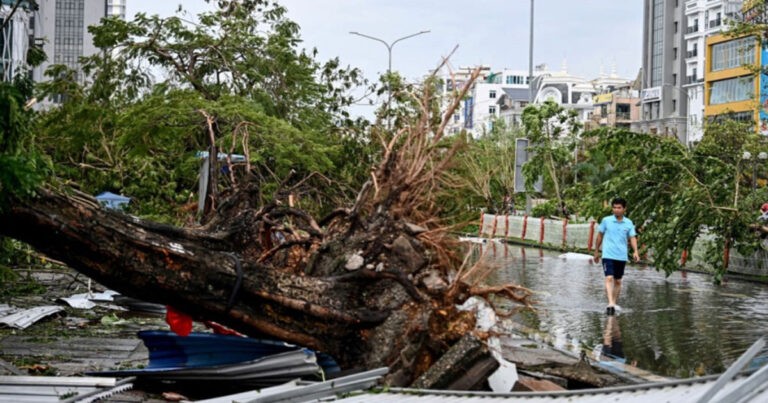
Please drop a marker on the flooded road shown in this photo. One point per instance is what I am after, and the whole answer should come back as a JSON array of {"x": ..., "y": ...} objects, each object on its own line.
[{"x": 680, "y": 326}]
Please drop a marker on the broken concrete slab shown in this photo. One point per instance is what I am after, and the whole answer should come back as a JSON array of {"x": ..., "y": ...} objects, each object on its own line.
[
  {"x": 526, "y": 353},
  {"x": 452, "y": 366}
]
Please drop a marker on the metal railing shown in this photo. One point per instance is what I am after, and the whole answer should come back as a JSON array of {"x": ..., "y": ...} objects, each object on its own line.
[{"x": 690, "y": 30}]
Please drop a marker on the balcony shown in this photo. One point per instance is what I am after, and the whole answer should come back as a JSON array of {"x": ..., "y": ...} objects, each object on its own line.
[
  {"x": 716, "y": 23},
  {"x": 623, "y": 116},
  {"x": 691, "y": 53},
  {"x": 690, "y": 30},
  {"x": 693, "y": 80}
]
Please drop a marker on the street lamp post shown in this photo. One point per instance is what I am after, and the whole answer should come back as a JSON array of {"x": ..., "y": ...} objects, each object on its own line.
[
  {"x": 389, "y": 65},
  {"x": 528, "y": 202}
]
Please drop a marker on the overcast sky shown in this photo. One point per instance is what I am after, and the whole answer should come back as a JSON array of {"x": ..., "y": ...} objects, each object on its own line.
[{"x": 582, "y": 33}]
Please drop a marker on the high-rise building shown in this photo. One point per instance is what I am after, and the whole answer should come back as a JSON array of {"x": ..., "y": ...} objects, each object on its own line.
[
  {"x": 664, "y": 100},
  {"x": 674, "y": 34},
  {"x": 63, "y": 25},
  {"x": 704, "y": 19}
]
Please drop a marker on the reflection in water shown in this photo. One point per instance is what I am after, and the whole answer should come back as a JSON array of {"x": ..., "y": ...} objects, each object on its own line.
[
  {"x": 673, "y": 326},
  {"x": 612, "y": 346}
]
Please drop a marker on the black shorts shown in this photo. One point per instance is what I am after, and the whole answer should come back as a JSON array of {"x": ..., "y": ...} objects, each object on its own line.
[{"x": 614, "y": 268}]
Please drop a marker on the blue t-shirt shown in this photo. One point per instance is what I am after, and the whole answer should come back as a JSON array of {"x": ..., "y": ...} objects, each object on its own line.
[{"x": 615, "y": 236}]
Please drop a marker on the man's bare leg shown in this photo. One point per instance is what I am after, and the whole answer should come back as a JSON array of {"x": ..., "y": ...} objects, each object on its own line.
[
  {"x": 609, "y": 290},
  {"x": 616, "y": 290}
]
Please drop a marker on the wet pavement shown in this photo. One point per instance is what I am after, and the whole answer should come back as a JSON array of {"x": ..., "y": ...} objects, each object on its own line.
[{"x": 678, "y": 326}]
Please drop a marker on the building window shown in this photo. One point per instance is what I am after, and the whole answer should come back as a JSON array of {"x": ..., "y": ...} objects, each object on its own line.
[
  {"x": 675, "y": 26},
  {"x": 731, "y": 90},
  {"x": 623, "y": 112},
  {"x": 674, "y": 53},
  {"x": 492, "y": 110},
  {"x": 492, "y": 94},
  {"x": 674, "y": 105},
  {"x": 740, "y": 116},
  {"x": 674, "y": 79},
  {"x": 657, "y": 43},
  {"x": 731, "y": 54},
  {"x": 515, "y": 80}
]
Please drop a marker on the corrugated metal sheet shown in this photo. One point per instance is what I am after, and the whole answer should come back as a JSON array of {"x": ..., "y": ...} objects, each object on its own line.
[
  {"x": 41, "y": 389},
  {"x": 687, "y": 391},
  {"x": 23, "y": 319},
  {"x": 297, "y": 391},
  {"x": 272, "y": 370}
]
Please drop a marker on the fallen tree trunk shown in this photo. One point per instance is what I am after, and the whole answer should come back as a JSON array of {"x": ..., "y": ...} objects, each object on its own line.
[
  {"x": 373, "y": 285},
  {"x": 201, "y": 274}
]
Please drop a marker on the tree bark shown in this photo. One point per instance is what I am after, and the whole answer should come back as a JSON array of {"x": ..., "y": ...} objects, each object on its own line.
[{"x": 377, "y": 315}]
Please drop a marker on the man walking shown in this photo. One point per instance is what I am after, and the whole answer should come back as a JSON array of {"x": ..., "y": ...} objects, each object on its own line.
[{"x": 613, "y": 233}]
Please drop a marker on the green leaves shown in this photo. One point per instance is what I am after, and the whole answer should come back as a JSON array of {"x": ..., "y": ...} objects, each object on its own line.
[
  {"x": 677, "y": 195},
  {"x": 238, "y": 69},
  {"x": 553, "y": 133},
  {"x": 20, "y": 168}
]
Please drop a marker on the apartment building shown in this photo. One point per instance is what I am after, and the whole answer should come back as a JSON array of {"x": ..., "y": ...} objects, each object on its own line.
[
  {"x": 732, "y": 88},
  {"x": 664, "y": 102},
  {"x": 63, "y": 25},
  {"x": 704, "y": 18},
  {"x": 496, "y": 94}
]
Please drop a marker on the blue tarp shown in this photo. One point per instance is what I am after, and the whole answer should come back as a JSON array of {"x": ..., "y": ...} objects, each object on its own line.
[
  {"x": 169, "y": 350},
  {"x": 113, "y": 201}
]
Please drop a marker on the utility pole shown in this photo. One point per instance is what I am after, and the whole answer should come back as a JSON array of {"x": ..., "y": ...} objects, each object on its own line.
[{"x": 528, "y": 203}]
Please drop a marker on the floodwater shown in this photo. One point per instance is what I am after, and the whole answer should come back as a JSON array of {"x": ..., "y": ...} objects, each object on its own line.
[{"x": 678, "y": 326}]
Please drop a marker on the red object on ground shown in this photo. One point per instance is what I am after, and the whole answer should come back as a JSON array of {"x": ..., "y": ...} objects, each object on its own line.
[
  {"x": 218, "y": 328},
  {"x": 764, "y": 207},
  {"x": 179, "y": 322}
]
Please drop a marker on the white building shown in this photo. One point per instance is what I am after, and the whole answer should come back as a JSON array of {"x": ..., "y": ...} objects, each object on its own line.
[
  {"x": 704, "y": 18},
  {"x": 569, "y": 91},
  {"x": 486, "y": 96},
  {"x": 63, "y": 24},
  {"x": 15, "y": 40},
  {"x": 485, "y": 102}
]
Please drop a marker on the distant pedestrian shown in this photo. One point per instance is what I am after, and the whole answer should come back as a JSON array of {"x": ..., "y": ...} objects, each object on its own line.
[
  {"x": 762, "y": 221},
  {"x": 616, "y": 230},
  {"x": 763, "y": 218}
]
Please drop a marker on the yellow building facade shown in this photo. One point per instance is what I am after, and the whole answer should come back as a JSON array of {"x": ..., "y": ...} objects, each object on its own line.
[{"x": 731, "y": 87}]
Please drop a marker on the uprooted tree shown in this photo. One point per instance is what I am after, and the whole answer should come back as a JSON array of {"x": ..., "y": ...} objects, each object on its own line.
[{"x": 374, "y": 283}]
